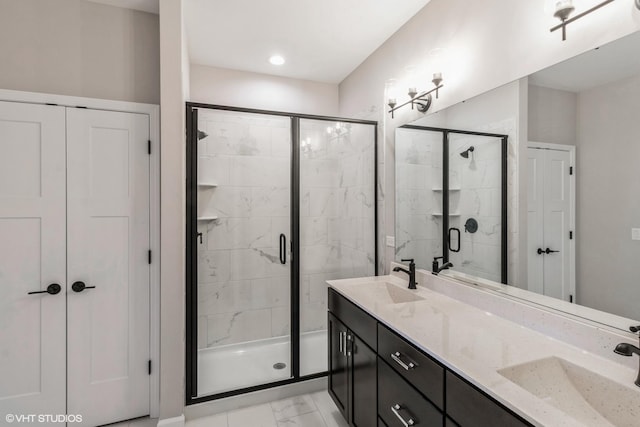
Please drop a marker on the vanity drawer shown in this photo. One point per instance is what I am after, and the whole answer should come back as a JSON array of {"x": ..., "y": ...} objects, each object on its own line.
[
  {"x": 420, "y": 370},
  {"x": 469, "y": 407},
  {"x": 398, "y": 399},
  {"x": 354, "y": 317}
]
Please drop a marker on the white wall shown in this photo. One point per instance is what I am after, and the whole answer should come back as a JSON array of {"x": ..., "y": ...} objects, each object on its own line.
[
  {"x": 488, "y": 44},
  {"x": 260, "y": 91},
  {"x": 174, "y": 93},
  {"x": 79, "y": 48},
  {"x": 607, "y": 202}
]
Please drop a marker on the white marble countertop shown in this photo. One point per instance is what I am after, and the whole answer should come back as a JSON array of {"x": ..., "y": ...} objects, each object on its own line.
[{"x": 476, "y": 344}]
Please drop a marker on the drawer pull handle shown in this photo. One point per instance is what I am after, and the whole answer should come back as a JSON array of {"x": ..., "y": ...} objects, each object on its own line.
[
  {"x": 395, "y": 409},
  {"x": 406, "y": 366}
]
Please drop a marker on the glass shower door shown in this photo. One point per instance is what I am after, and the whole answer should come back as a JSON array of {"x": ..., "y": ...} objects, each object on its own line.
[
  {"x": 243, "y": 250},
  {"x": 419, "y": 195},
  {"x": 337, "y": 222},
  {"x": 476, "y": 211}
]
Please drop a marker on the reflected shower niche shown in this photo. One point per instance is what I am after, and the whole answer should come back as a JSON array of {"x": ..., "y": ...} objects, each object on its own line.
[{"x": 277, "y": 204}]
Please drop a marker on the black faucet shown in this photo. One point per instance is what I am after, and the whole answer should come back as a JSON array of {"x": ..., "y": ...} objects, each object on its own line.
[
  {"x": 411, "y": 272},
  {"x": 435, "y": 268},
  {"x": 626, "y": 349}
]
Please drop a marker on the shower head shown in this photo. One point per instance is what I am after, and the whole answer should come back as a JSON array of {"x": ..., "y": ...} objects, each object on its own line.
[
  {"x": 202, "y": 135},
  {"x": 466, "y": 152}
]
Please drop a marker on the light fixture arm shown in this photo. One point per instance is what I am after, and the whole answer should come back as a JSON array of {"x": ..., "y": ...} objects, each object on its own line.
[
  {"x": 422, "y": 100},
  {"x": 566, "y": 20}
]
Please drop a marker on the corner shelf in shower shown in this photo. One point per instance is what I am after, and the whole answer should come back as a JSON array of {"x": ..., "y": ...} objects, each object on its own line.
[
  {"x": 207, "y": 218},
  {"x": 450, "y": 189},
  {"x": 207, "y": 184},
  {"x": 440, "y": 214}
]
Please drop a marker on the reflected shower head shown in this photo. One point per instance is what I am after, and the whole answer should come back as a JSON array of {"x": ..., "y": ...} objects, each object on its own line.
[
  {"x": 202, "y": 135},
  {"x": 466, "y": 152}
]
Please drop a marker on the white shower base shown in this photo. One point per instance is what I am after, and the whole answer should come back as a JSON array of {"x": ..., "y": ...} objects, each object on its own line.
[{"x": 246, "y": 364}]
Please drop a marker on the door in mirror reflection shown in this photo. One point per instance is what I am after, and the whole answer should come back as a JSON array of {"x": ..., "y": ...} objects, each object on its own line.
[{"x": 550, "y": 221}]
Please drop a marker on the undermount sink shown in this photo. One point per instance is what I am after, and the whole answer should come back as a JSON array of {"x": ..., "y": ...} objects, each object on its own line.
[
  {"x": 580, "y": 393},
  {"x": 386, "y": 293}
]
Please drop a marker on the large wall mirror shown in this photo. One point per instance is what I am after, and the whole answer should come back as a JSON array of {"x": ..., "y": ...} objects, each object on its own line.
[{"x": 573, "y": 185}]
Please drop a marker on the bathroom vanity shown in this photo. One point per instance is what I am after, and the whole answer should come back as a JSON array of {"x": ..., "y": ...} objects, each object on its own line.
[{"x": 400, "y": 357}]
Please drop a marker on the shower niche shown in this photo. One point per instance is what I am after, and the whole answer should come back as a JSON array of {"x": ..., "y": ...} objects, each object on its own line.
[
  {"x": 451, "y": 199},
  {"x": 277, "y": 203}
]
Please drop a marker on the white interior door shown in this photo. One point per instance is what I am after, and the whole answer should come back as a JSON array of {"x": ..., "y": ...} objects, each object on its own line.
[
  {"x": 108, "y": 243},
  {"x": 557, "y": 208},
  {"x": 549, "y": 221},
  {"x": 32, "y": 257},
  {"x": 535, "y": 219}
]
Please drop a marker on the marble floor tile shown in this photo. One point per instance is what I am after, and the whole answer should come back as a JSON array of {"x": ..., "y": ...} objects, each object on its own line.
[
  {"x": 292, "y": 407},
  {"x": 219, "y": 420},
  {"x": 312, "y": 419},
  {"x": 329, "y": 411},
  {"x": 254, "y": 416}
]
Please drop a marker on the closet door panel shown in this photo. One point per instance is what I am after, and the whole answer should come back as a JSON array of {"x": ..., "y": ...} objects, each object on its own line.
[
  {"x": 108, "y": 243},
  {"x": 32, "y": 257}
]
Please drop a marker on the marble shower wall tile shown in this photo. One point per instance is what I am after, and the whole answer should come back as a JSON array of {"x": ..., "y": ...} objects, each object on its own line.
[
  {"x": 242, "y": 280},
  {"x": 229, "y": 328}
]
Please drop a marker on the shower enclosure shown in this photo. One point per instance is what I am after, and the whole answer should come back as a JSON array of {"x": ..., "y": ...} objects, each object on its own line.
[
  {"x": 451, "y": 192},
  {"x": 277, "y": 204}
]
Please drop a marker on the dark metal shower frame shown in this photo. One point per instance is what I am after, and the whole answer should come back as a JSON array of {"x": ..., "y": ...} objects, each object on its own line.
[
  {"x": 445, "y": 188},
  {"x": 191, "y": 245}
]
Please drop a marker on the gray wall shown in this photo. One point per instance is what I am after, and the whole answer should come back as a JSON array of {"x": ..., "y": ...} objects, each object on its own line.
[
  {"x": 608, "y": 202},
  {"x": 79, "y": 48},
  {"x": 552, "y": 115}
]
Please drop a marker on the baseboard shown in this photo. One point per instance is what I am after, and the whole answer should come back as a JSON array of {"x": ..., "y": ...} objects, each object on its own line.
[
  {"x": 255, "y": 398},
  {"x": 172, "y": 422}
]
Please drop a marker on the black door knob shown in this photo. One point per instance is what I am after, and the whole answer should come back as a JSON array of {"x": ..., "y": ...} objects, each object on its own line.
[
  {"x": 549, "y": 251},
  {"x": 80, "y": 286},
  {"x": 540, "y": 251},
  {"x": 52, "y": 289}
]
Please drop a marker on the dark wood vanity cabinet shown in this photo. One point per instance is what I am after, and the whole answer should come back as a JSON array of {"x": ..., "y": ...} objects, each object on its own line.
[
  {"x": 377, "y": 378},
  {"x": 352, "y": 361},
  {"x": 469, "y": 407}
]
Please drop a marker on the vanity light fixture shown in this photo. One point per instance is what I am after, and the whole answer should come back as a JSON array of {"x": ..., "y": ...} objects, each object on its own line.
[
  {"x": 564, "y": 9},
  {"x": 422, "y": 101}
]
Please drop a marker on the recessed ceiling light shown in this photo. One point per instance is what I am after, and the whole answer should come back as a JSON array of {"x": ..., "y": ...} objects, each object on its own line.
[{"x": 276, "y": 60}]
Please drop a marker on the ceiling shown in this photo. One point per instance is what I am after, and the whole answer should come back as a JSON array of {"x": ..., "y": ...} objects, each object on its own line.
[
  {"x": 150, "y": 6},
  {"x": 321, "y": 40},
  {"x": 609, "y": 63}
]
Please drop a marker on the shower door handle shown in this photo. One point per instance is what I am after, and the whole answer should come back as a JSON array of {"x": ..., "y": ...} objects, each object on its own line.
[
  {"x": 450, "y": 247},
  {"x": 283, "y": 249}
]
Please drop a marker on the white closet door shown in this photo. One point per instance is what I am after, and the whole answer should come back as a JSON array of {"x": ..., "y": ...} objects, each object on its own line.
[
  {"x": 535, "y": 219},
  {"x": 557, "y": 205},
  {"x": 108, "y": 243},
  {"x": 32, "y": 257}
]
